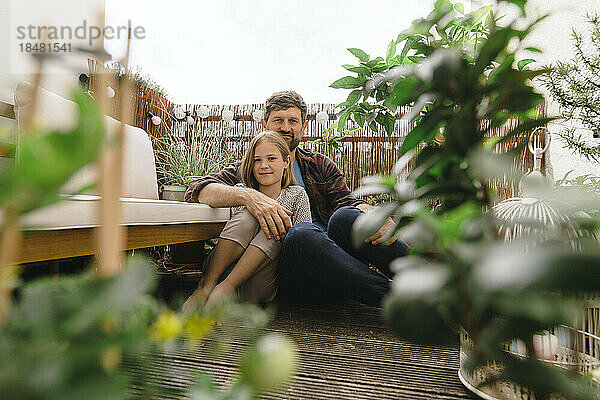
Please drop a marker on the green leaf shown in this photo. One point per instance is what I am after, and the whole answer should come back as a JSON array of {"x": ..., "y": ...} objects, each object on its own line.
[
  {"x": 391, "y": 52},
  {"x": 416, "y": 59},
  {"x": 425, "y": 130},
  {"x": 479, "y": 14},
  {"x": 453, "y": 220},
  {"x": 533, "y": 49},
  {"x": 407, "y": 47},
  {"x": 358, "y": 70},
  {"x": 505, "y": 269},
  {"x": 348, "y": 82},
  {"x": 523, "y": 63},
  {"x": 459, "y": 7},
  {"x": 419, "y": 308},
  {"x": 387, "y": 121},
  {"x": 405, "y": 91},
  {"x": 495, "y": 44},
  {"x": 545, "y": 310},
  {"x": 353, "y": 97},
  {"x": 358, "y": 53},
  {"x": 32, "y": 180},
  {"x": 443, "y": 7},
  {"x": 525, "y": 126},
  {"x": 402, "y": 37},
  {"x": 342, "y": 120},
  {"x": 359, "y": 118},
  {"x": 373, "y": 126}
]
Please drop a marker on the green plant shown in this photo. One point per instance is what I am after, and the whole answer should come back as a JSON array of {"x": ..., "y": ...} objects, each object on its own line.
[
  {"x": 180, "y": 160},
  {"x": 586, "y": 183},
  {"x": 574, "y": 83},
  {"x": 378, "y": 199},
  {"x": 459, "y": 274},
  {"x": 380, "y": 82},
  {"x": 329, "y": 141},
  {"x": 140, "y": 78},
  {"x": 80, "y": 336}
]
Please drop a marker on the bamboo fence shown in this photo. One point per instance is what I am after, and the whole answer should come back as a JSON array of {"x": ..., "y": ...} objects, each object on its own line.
[{"x": 362, "y": 154}]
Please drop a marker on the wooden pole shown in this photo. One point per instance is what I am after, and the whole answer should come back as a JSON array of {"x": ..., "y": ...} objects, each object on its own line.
[
  {"x": 111, "y": 235},
  {"x": 10, "y": 232}
]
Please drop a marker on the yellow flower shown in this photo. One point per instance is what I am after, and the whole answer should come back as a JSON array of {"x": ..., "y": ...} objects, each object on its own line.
[
  {"x": 110, "y": 358},
  {"x": 166, "y": 327},
  {"x": 198, "y": 327},
  {"x": 109, "y": 324}
]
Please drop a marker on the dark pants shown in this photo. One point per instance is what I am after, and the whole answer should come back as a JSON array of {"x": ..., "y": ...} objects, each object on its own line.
[{"x": 316, "y": 267}]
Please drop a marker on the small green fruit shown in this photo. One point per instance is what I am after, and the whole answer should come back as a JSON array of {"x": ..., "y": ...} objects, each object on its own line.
[{"x": 269, "y": 363}]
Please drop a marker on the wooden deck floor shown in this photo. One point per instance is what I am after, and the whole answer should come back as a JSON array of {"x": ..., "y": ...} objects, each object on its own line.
[{"x": 346, "y": 353}]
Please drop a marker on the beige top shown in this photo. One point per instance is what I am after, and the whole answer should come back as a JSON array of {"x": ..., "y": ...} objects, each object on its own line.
[{"x": 293, "y": 198}]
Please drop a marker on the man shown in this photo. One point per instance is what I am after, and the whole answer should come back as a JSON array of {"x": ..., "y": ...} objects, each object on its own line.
[{"x": 317, "y": 262}]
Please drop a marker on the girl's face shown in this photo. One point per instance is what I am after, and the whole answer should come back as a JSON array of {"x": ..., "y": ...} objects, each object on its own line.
[{"x": 268, "y": 164}]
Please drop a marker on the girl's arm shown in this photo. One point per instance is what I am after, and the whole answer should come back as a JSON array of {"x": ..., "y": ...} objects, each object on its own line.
[{"x": 302, "y": 208}]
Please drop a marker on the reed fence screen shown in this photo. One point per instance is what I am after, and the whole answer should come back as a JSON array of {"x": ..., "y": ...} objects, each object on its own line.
[{"x": 362, "y": 154}]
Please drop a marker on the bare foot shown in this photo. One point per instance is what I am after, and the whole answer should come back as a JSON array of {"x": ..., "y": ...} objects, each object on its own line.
[{"x": 219, "y": 294}]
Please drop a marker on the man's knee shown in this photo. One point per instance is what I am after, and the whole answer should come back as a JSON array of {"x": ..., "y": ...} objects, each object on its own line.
[
  {"x": 342, "y": 220},
  {"x": 302, "y": 234}
]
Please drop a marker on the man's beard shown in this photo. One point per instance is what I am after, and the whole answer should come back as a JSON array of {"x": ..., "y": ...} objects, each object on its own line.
[{"x": 293, "y": 144}]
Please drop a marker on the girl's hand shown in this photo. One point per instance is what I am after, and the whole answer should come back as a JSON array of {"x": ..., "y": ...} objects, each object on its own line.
[
  {"x": 219, "y": 294},
  {"x": 199, "y": 297},
  {"x": 274, "y": 220}
]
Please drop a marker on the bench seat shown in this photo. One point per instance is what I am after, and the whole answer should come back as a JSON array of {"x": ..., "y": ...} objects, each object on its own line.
[{"x": 67, "y": 229}]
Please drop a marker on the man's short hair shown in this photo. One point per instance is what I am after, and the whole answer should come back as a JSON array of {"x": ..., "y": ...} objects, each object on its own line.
[{"x": 283, "y": 101}]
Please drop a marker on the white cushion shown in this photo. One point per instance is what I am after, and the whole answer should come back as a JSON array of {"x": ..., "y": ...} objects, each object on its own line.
[
  {"x": 56, "y": 112},
  {"x": 81, "y": 211}
]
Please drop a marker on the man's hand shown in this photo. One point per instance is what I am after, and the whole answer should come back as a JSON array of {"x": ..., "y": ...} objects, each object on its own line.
[
  {"x": 274, "y": 220},
  {"x": 379, "y": 236}
]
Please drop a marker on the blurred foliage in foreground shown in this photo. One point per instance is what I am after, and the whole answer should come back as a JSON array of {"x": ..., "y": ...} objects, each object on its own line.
[
  {"x": 82, "y": 336},
  {"x": 498, "y": 292},
  {"x": 97, "y": 338}
]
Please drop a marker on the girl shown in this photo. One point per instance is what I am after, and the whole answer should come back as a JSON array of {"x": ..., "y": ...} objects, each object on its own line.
[{"x": 243, "y": 246}]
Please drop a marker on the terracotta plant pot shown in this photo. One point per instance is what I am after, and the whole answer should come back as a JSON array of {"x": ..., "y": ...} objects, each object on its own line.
[{"x": 173, "y": 192}]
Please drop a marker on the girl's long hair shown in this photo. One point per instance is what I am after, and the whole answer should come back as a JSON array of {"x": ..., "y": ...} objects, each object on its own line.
[{"x": 246, "y": 171}]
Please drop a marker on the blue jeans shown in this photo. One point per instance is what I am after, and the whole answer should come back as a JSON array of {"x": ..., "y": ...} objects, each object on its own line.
[{"x": 317, "y": 267}]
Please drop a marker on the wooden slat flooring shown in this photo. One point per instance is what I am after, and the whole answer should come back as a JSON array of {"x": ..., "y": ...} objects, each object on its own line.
[{"x": 346, "y": 352}]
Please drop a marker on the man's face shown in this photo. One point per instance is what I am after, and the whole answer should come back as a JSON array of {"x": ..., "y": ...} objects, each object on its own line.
[{"x": 288, "y": 123}]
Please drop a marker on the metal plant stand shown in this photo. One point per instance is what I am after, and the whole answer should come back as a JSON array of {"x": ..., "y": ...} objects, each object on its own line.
[{"x": 574, "y": 348}]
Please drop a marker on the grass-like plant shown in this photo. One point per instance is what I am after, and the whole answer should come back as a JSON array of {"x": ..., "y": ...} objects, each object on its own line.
[{"x": 180, "y": 160}]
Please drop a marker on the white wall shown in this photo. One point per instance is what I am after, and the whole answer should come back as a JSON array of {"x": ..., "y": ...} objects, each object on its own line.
[
  {"x": 553, "y": 36},
  {"x": 16, "y": 65}
]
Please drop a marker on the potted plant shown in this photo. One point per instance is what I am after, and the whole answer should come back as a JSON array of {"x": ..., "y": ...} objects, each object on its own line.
[
  {"x": 180, "y": 160},
  {"x": 460, "y": 276}
]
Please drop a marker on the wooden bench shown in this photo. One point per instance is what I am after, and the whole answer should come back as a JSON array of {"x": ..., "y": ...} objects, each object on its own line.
[
  {"x": 67, "y": 243},
  {"x": 67, "y": 229}
]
